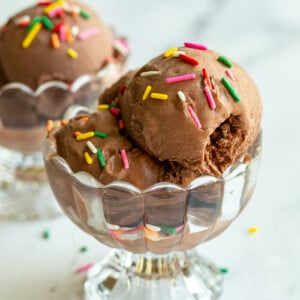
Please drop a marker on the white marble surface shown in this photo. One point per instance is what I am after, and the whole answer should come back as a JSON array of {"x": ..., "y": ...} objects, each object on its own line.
[{"x": 264, "y": 37}]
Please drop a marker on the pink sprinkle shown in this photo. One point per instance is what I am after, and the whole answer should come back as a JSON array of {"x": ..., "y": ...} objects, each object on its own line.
[
  {"x": 230, "y": 75},
  {"x": 124, "y": 159},
  {"x": 209, "y": 97},
  {"x": 88, "y": 33},
  {"x": 55, "y": 12},
  {"x": 180, "y": 78},
  {"x": 195, "y": 46},
  {"x": 84, "y": 268},
  {"x": 194, "y": 117},
  {"x": 115, "y": 111},
  {"x": 62, "y": 33},
  {"x": 124, "y": 43}
]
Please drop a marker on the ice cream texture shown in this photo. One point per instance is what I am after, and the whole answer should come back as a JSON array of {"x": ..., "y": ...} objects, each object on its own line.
[{"x": 186, "y": 113}]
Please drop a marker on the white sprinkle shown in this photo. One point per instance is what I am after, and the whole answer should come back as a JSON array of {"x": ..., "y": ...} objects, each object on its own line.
[
  {"x": 92, "y": 147},
  {"x": 66, "y": 6},
  {"x": 177, "y": 53},
  {"x": 153, "y": 227},
  {"x": 112, "y": 226},
  {"x": 181, "y": 96},
  {"x": 75, "y": 30},
  {"x": 149, "y": 73},
  {"x": 25, "y": 18}
]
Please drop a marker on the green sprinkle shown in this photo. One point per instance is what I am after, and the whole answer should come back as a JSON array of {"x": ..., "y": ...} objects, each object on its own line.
[
  {"x": 231, "y": 90},
  {"x": 225, "y": 61},
  {"x": 84, "y": 14},
  {"x": 47, "y": 23},
  {"x": 101, "y": 158},
  {"x": 224, "y": 270},
  {"x": 168, "y": 230},
  {"x": 114, "y": 105},
  {"x": 46, "y": 235},
  {"x": 127, "y": 82},
  {"x": 33, "y": 22},
  {"x": 83, "y": 249},
  {"x": 100, "y": 134}
]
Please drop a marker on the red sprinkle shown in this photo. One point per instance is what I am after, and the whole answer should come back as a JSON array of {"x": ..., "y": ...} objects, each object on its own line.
[
  {"x": 189, "y": 59},
  {"x": 44, "y": 3},
  {"x": 84, "y": 268},
  {"x": 121, "y": 124},
  {"x": 57, "y": 26},
  {"x": 61, "y": 14},
  {"x": 24, "y": 24},
  {"x": 205, "y": 75},
  {"x": 115, "y": 111},
  {"x": 123, "y": 88}
]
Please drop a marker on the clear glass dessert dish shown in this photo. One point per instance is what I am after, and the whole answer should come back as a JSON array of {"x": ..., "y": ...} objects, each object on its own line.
[
  {"x": 153, "y": 231},
  {"x": 24, "y": 115}
]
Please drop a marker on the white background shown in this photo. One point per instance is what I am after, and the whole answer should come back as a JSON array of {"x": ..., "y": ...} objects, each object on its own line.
[{"x": 264, "y": 37}]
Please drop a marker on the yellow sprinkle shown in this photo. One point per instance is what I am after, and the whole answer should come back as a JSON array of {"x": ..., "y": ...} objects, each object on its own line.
[
  {"x": 147, "y": 92},
  {"x": 159, "y": 96},
  {"x": 72, "y": 53},
  {"x": 170, "y": 52},
  {"x": 103, "y": 106},
  {"x": 84, "y": 136},
  {"x": 31, "y": 35},
  {"x": 88, "y": 158},
  {"x": 53, "y": 6},
  {"x": 253, "y": 230}
]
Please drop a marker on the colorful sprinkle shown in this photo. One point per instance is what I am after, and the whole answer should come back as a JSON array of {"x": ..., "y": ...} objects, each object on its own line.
[
  {"x": 121, "y": 124},
  {"x": 230, "y": 75},
  {"x": 63, "y": 122},
  {"x": 101, "y": 158},
  {"x": 44, "y": 3},
  {"x": 84, "y": 268},
  {"x": 231, "y": 90},
  {"x": 83, "y": 249},
  {"x": 209, "y": 97},
  {"x": 83, "y": 119},
  {"x": 159, "y": 96},
  {"x": 62, "y": 33},
  {"x": 69, "y": 35},
  {"x": 206, "y": 76},
  {"x": 75, "y": 30},
  {"x": 194, "y": 117},
  {"x": 56, "y": 11},
  {"x": 92, "y": 147},
  {"x": 46, "y": 234},
  {"x": 115, "y": 111},
  {"x": 31, "y": 35},
  {"x": 225, "y": 61},
  {"x": 149, "y": 73},
  {"x": 86, "y": 135},
  {"x": 77, "y": 133},
  {"x": 224, "y": 270},
  {"x": 177, "y": 53},
  {"x": 55, "y": 43},
  {"x": 180, "y": 78},
  {"x": 195, "y": 46},
  {"x": 22, "y": 21},
  {"x": 88, "y": 158},
  {"x": 123, "y": 88},
  {"x": 100, "y": 134},
  {"x": 72, "y": 53},
  {"x": 121, "y": 46},
  {"x": 84, "y": 14},
  {"x": 189, "y": 59},
  {"x": 124, "y": 159},
  {"x": 153, "y": 228},
  {"x": 253, "y": 230},
  {"x": 53, "y": 6},
  {"x": 88, "y": 33},
  {"x": 57, "y": 26},
  {"x": 147, "y": 92},
  {"x": 169, "y": 52},
  {"x": 181, "y": 96},
  {"x": 103, "y": 107},
  {"x": 168, "y": 230},
  {"x": 34, "y": 21},
  {"x": 50, "y": 125}
]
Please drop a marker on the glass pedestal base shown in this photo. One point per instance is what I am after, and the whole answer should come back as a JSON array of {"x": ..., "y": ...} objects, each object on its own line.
[
  {"x": 175, "y": 276},
  {"x": 24, "y": 190}
]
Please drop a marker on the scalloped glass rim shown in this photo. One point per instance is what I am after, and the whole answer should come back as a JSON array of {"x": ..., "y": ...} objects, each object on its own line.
[{"x": 76, "y": 85}]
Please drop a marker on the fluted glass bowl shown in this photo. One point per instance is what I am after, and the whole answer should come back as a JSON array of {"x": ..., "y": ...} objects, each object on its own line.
[
  {"x": 154, "y": 229},
  {"x": 24, "y": 114}
]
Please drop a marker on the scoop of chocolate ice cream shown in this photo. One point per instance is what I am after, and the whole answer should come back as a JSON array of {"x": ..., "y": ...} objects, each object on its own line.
[
  {"x": 194, "y": 108},
  {"x": 76, "y": 27}
]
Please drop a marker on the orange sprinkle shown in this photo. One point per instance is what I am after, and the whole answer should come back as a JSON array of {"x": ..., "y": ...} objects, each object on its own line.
[
  {"x": 83, "y": 119},
  {"x": 63, "y": 122},
  {"x": 69, "y": 35},
  {"x": 55, "y": 43},
  {"x": 49, "y": 125},
  {"x": 121, "y": 124},
  {"x": 150, "y": 232},
  {"x": 110, "y": 59},
  {"x": 77, "y": 133}
]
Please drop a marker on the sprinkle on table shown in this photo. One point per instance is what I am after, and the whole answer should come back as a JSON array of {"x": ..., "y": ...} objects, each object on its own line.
[
  {"x": 149, "y": 73},
  {"x": 181, "y": 96},
  {"x": 124, "y": 159},
  {"x": 225, "y": 61},
  {"x": 206, "y": 76},
  {"x": 83, "y": 249},
  {"x": 101, "y": 158},
  {"x": 159, "y": 96},
  {"x": 194, "y": 117},
  {"x": 195, "y": 46},
  {"x": 180, "y": 78},
  {"x": 72, "y": 53},
  {"x": 31, "y": 35},
  {"x": 46, "y": 234},
  {"x": 55, "y": 43},
  {"x": 253, "y": 230},
  {"x": 230, "y": 75},
  {"x": 169, "y": 52},
  {"x": 84, "y": 268},
  {"x": 86, "y": 135},
  {"x": 147, "y": 92},
  {"x": 189, "y": 59},
  {"x": 210, "y": 98},
  {"x": 88, "y": 33},
  {"x": 88, "y": 158},
  {"x": 231, "y": 90},
  {"x": 223, "y": 270}
]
